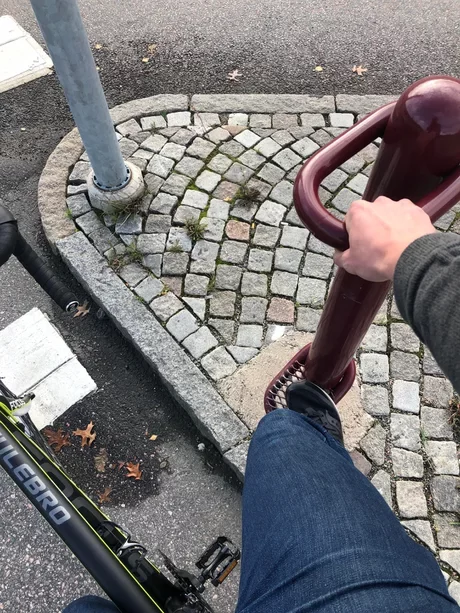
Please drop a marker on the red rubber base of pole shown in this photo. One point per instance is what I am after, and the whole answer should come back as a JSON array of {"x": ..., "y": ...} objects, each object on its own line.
[{"x": 275, "y": 394}]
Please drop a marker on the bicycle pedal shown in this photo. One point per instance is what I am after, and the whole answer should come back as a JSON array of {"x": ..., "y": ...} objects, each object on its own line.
[{"x": 218, "y": 561}]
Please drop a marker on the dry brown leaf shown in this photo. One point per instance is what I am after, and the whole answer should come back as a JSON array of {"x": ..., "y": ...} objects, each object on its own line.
[
  {"x": 153, "y": 437},
  {"x": 359, "y": 70},
  {"x": 82, "y": 310},
  {"x": 100, "y": 460},
  {"x": 58, "y": 439},
  {"x": 105, "y": 495},
  {"x": 133, "y": 471},
  {"x": 87, "y": 436},
  {"x": 318, "y": 69},
  {"x": 234, "y": 75},
  {"x": 145, "y": 60}
]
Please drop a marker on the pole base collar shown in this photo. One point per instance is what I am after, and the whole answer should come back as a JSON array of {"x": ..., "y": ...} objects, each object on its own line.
[{"x": 116, "y": 200}]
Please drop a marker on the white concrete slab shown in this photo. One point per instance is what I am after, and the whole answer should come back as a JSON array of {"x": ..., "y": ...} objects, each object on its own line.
[
  {"x": 21, "y": 58},
  {"x": 35, "y": 357}
]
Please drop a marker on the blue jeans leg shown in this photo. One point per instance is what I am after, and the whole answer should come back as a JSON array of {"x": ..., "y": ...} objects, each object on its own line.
[
  {"x": 319, "y": 538},
  {"x": 91, "y": 604}
]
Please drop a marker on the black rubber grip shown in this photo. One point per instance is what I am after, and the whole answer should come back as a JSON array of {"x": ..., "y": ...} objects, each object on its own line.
[
  {"x": 43, "y": 275},
  {"x": 8, "y": 239}
]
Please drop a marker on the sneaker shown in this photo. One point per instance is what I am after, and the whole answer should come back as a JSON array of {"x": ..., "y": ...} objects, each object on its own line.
[{"x": 308, "y": 399}]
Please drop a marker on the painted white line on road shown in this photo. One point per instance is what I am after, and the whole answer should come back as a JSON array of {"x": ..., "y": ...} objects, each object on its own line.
[
  {"x": 21, "y": 58},
  {"x": 35, "y": 357}
]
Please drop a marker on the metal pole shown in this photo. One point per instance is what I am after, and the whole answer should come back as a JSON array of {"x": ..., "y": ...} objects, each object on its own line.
[
  {"x": 421, "y": 144},
  {"x": 65, "y": 36}
]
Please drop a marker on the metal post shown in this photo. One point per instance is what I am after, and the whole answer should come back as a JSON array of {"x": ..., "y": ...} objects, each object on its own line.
[{"x": 421, "y": 145}]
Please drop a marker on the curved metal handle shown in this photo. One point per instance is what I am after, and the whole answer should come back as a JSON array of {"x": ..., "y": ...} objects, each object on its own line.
[{"x": 310, "y": 209}]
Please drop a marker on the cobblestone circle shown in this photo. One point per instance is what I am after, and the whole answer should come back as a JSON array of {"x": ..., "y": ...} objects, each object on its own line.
[{"x": 217, "y": 252}]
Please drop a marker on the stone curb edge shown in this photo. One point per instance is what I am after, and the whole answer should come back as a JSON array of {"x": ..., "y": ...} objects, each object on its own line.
[{"x": 184, "y": 380}]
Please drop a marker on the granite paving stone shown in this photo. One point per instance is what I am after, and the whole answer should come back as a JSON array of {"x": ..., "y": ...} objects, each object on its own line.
[
  {"x": 214, "y": 229},
  {"x": 200, "y": 342},
  {"x": 296, "y": 238},
  {"x": 304, "y": 147},
  {"x": 375, "y": 400},
  {"x": 198, "y": 306},
  {"x": 218, "y": 135},
  {"x": 284, "y": 283},
  {"x": 406, "y": 396},
  {"x": 447, "y": 529},
  {"x": 149, "y": 288},
  {"x": 228, "y": 277},
  {"x": 196, "y": 285},
  {"x": 382, "y": 482},
  {"x": 411, "y": 499},
  {"x": 436, "y": 423},
  {"x": 375, "y": 339},
  {"x": 254, "y": 284},
  {"x": 407, "y": 463},
  {"x": 151, "y": 243},
  {"x": 253, "y": 310},
  {"x": 189, "y": 166},
  {"x": 132, "y": 274},
  {"x": 374, "y": 368},
  {"x": 182, "y": 325},
  {"x": 271, "y": 213},
  {"x": 178, "y": 239},
  {"x": 283, "y": 137},
  {"x": 176, "y": 185},
  {"x": 201, "y": 148},
  {"x": 343, "y": 200},
  {"x": 183, "y": 137},
  {"x": 160, "y": 165},
  {"x": 220, "y": 163},
  {"x": 287, "y": 259},
  {"x": 219, "y": 209},
  {"x": 283, "y": 193},
  {"x": 226, "y": 190},
  {"x": 175, "y": 263},
  {"x": 224, "y": 327},
  {"x": 195, "y": 198},
  {"x": 313, "y": 120},
  {"x": 238, "y": 173},
  {"x": 311, "y": 292},
  {"x": 222, "y": 304},
  {"x": 260, "y": 260},
  {"x": 437, "y": 391},
  {"x": 233, "y": 252},
  {"x": 251, "y": 159},
  {"x": 238, "y": 119},
  {"x": 78, "y": 204},
  {"x": 166, "y": 306},
  {"x": 154, "y": 143},
  {"x": 267, "y": 147},
  {"x": 308, "y": 319},
  {"x": 443, "y": 455},
  {"x": 341, "y": 120},
  {"x": 334, "y": 180},
  {"x": 358, "y": 184},
  {"x": 271, "y": 173},
  {"x": 281, "y": 310},
  {"x": 287, "y": 159},
  {"x": 405, "y": 431},
  {"x": 237, "y": 230},
  {"x": 219, "y": 364},
  {"x": 373, "y": 444},
  {"x": 163, "y": 203},
  {"x": 242, "y": 354},
  {"x": 257, "y": 120},
  {"x": 204, "y": 257},
  {"x": 185, "y": 213},
  {"x": 249, "y": 335},
  {"x": 403, "y": 338},
  {"x": 247, "y": 138},
  {"x": 157, "y": 223},
  {"x": 153, "y": 263},
  {"x": 445, "y": 491},
  {"x": 404, "y": 366},
  {"x": 208, "y": 180},
  {"x": 244, "y": 210},
  {"x": 232, "y": 148}
]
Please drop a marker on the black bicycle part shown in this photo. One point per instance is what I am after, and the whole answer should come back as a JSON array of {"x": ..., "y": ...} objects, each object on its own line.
[
  {"x": 12, "y": 242},
  {"x": 218, "y": 561},
  {"x": 75, "y": 519}
]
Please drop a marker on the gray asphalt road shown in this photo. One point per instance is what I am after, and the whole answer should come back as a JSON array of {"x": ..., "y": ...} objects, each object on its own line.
[{"x": 275, "y": 44}]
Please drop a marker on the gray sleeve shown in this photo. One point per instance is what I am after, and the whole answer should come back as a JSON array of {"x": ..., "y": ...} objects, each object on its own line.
[{"x": 427, "y": 292}]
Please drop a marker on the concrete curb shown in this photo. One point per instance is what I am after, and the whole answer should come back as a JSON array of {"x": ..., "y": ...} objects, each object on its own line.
[{"x": 213, "y": 417}]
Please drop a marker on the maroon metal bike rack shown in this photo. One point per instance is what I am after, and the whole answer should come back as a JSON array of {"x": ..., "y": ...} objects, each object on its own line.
[{"x": 418, "y": 159}]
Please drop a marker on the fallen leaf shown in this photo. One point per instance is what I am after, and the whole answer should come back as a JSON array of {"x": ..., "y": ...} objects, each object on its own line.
[
  {"x": 227, "y": 199},
  {"x": 105, "y": 495},
  {"x": 145, "y": 60},
  {"x": 152, "y": 48},
  {"x": 98, "y": 46},
  {"x": 100, "y": 460},
  {"x": 318, "y": 69},
  {"x": 120, "y": 464},
  {"x": 359, "y": 70},
  {"x": 82, "y": 310},
  {"x": 234, "y": 75},
  {"x": 57, "y": 439},
  {"x": 153, "y": 437},
  {"x": 133, "y": 471},
  {"x": 87, "y": 436}
]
